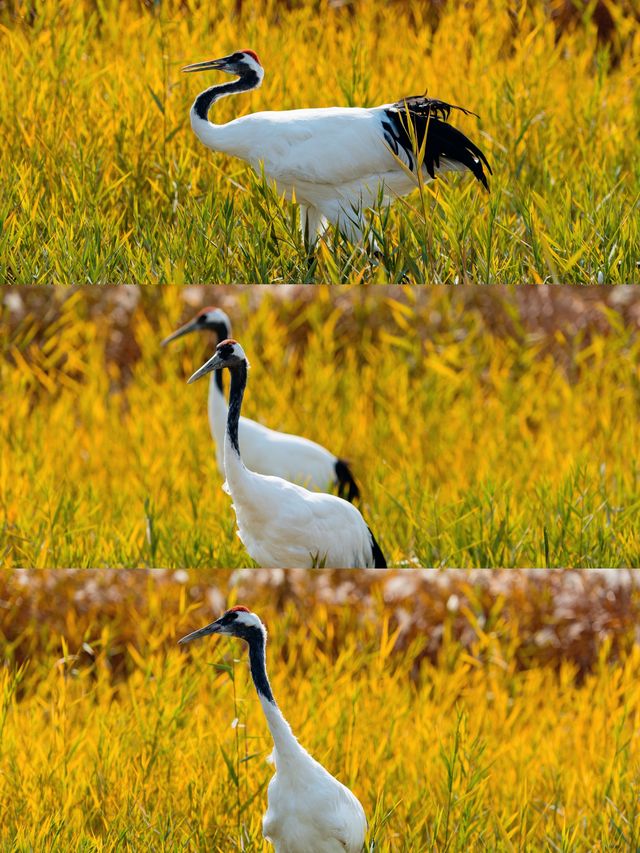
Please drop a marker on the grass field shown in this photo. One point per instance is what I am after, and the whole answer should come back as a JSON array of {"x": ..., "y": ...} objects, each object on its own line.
[
  {"x": 112, "y": 738},
  {"x": 104, "y": 181},
  {"x": 485, "y": 429}
]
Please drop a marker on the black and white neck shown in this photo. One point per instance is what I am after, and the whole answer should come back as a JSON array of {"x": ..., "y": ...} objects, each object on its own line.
[
  {"x": 250, "y": 79},
  {"x": 238, "y": 384},
  {"x": 257, "y": 641},
  {"x": 225, "y": 137},
  {"x": 287, "y": 748}
]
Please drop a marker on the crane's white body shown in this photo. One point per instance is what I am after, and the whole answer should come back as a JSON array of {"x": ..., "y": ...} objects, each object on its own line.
[
  {"x": 309, "y": 810},
  {"x": 283, "y": 525},
  {"x": 336, "y": 161},
  {"x": 333, "y": 159},
  {"x": 267, "y": 451}
]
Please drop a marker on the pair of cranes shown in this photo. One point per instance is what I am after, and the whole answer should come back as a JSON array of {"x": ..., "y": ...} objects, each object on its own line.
[{"x": 281, "y": 524}]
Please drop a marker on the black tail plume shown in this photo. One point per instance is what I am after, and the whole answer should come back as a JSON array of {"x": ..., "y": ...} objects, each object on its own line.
[
  {"x": 347, "y": 486},
  {"x": 429, "y": 116}
]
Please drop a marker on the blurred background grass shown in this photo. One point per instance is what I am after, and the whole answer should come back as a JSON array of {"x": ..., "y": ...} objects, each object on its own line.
[
  {"x": 468, "y": 711},
  {"x": 103, "y": 180},
  {"x": 486, "y": 427}
]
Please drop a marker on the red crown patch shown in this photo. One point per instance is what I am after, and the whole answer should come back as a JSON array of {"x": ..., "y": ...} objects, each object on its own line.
[{"x": 253, "y": 54}]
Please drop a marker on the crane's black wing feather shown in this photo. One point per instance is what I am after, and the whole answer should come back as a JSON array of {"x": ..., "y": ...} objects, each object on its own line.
[{"x": 406, "y": 124}]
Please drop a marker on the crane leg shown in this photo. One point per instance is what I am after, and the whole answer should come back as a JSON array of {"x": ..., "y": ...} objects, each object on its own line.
[
  {"x": 313, "y": 225},
  {"x": 317, "y": 224},
  {"x": 304, "y": 220}
]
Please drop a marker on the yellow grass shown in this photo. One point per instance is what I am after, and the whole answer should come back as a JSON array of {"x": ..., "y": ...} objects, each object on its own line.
[
  {"x": 104, "y": 181},
  {"x": 472, "y": 446},
  {"x": 471, "y": 753}
]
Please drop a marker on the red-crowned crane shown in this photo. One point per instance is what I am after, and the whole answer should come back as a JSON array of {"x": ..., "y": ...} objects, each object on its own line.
[
  {"x": 264, "y": 450},
  {"x": 283, "y": 525},
  {"x": 337, "y": 160},
  {"x": 309, "y": 810}
]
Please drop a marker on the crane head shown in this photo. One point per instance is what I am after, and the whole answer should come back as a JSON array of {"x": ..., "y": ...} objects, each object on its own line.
[
  {"x": 228, "y": 353},
  {"x": 240, "y": 63},
  {"x": 208, "y": 319},
  {"x": 237, "y": 622}
]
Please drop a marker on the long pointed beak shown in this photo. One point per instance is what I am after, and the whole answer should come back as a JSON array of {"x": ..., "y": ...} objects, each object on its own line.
[
  {"x": 207, "y": 65},
  {"x": 214, "y": 363},
  {"x": 212, "y": 628},
  {"x": 183, "y": 330}
]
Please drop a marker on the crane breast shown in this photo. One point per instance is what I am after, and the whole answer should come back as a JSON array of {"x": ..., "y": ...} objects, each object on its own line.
[{"x": 318, "y": 815}]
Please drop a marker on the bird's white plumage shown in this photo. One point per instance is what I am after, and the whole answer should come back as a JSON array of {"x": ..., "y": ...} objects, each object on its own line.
[
  {"x": 248, "y": 619},
  {"x": 309, "y": 810},
  {"x": 324, "y": 146},
  {"x": 283, "y": 525}
]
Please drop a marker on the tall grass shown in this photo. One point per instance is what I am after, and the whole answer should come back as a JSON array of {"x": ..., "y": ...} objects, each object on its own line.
[
  {"x": 468, "y": 753},
  {"x": 472, "y": 447},
  {"x": 103, "y": 180}
]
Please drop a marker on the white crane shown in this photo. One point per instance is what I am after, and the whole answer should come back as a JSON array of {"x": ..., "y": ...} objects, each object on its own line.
[
  {"x": 265, "y": 450},
  {"x": 309, "y": 810},
  {"x": 283, "y": 525},
  {"x": 337, "y": 160}
]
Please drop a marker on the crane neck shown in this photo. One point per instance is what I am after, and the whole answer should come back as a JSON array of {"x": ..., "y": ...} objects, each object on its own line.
[
  {"x": 257, "y": 663},
  {"x": 238, "y": 384},
  {"x": 286, "y": 745},
  {"x": 249, "y": 80}
]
